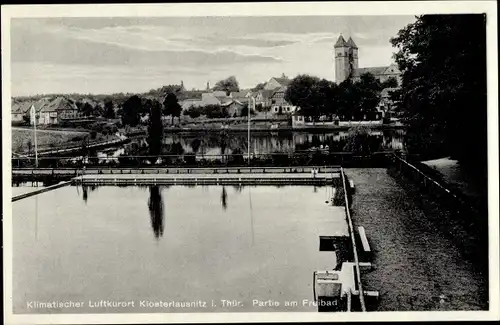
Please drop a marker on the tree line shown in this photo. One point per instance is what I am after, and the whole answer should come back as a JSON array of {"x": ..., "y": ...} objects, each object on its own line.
[
  {"x": 348, "y": 100},
  {"x": 443, "y": 92}
]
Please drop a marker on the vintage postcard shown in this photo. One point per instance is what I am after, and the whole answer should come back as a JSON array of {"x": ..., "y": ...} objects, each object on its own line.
[{"x": 250, "y": 162}]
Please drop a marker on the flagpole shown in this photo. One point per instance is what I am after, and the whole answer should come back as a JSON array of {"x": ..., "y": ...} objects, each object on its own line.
[
  {"x": 33, "y": 115},
  {"x": 36, "y": 146},
  {"x": 253, "y": 105},
  {"x": 248, "y": 146}
]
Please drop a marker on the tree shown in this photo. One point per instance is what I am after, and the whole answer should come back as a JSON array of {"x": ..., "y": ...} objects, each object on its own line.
[
  {"x": 368, "y": 90},
  {"x": 301, "y": 92},
  {"x": 87, "y": 109},
  {"x": 314, "y": 96},
  {"x": 193, "y": 112},
  {"x": 259, "y": 86},
  {"x": 223, "y": 141},
  {"x": 195, "y": 145},
  {"x": 391, "y": 82},
  {"x": 171, "y": 106},
  {"x": 109, "y": 110},
  {"x": 244, "y": 111},
  {"x": 29, "y": 145},
  {"x": 130, "y": 111},
  {"x": 156, "y": 213},
  {"x": 359, "y": 141},
  {"x": 155, "y": 129},
  {"x": 443, "y": 91},
  {"x": 228, "y": 85},
  {"x": 326, "y": 97}
]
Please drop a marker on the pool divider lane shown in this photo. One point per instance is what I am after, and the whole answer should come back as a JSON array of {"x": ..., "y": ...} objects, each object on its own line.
[
  {"x": 209, "y": 179},
  {"x": 192, "y": 179},
  {"x": 39, "y": 191}
]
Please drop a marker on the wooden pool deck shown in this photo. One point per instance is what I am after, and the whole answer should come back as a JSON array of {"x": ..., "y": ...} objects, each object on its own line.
[
  {"x": 39, "y": 191},
  {"x": 208, "y": 179}
]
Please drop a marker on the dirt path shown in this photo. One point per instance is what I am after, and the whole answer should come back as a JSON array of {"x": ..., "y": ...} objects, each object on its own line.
[{"x": 417, "y": 268}]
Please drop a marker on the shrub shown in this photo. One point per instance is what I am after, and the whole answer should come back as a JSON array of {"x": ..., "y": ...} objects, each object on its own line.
[{"x": 359, "y": 141}]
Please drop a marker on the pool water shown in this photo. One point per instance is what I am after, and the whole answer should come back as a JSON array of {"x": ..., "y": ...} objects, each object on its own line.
[{"x": 170, "y": 249}]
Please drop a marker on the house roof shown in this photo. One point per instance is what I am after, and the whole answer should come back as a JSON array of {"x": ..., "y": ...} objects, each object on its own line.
[
  {"x": 59, "y": 104},
  {"x": 279, "y": 90},
  {"x": 266, "y": 94},
  {"x": 41, "y": 103},
  {"x": 243, "y": 99},
  {"x": 231, "y": 101},
  {"x": 297, "y": 112},
  {"x": 219, "y": 93},
  {"x": 283, "y": 81},
  {"x": 376, "y": 71},
  {"x": 21, "y": 108},
  {"x": 393, "y": 68},
  {"x": 341, "y": 42},
  {"x": 351, "y": 43},
  {"x": 238, "y": 94},
  {"x": 223, "y": 99}
]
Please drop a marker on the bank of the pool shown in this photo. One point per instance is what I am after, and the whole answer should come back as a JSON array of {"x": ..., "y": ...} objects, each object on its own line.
[{"x": 417, "y": 267}]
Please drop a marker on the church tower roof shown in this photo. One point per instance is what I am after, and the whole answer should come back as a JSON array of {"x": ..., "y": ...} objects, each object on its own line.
[
  {"x": 351, "y": 43},
  {"x": 341, "y": 42}
]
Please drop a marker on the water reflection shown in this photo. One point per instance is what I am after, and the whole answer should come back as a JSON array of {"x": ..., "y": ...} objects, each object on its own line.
[
  {"x": 223, "y": 198},
  {"x": 85, "y": 191},
  {"x": 155, "y": 205},
  {"x": 210, "y": 144},
  {"x": 222, "y": 143}
]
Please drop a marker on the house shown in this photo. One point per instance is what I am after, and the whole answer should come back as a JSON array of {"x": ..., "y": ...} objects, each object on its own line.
[
  {"x": 208, "y": 98},
  {"x": 39, "y": 105},
  {"x": 263, "y": 97},
  {"x": 19, "y": 110},
  {"x": 241, "y": 96},
  {"x": 219, "y": 93},
  {"x": 274, "y": 82},
  {"x": 233, "y": 107},
  {"x": 298, "y": 120},
  {"x": 385, "y": 98},
  {"x": 381, "y": 73},
  {"x": 55, "y": 111},
  {"x": 66, "y": 108},
  {"x": 301, "y": 121},
  {"x": 214, "y": 98},
  {"x": 278, "y": 103},
  {"x": 188, "y": 103},
  {"x": 386, "y": 104}
]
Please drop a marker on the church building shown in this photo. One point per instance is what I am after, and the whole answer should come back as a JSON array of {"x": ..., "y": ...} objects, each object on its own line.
[{"x": 346, "y": 64}]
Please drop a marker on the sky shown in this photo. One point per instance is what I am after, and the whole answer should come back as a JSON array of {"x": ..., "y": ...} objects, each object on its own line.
[{"x": 118, "y": 54}]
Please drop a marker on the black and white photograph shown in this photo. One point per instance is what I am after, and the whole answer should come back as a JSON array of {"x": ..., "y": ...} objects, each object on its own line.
[{"x": 250, "y": 161}]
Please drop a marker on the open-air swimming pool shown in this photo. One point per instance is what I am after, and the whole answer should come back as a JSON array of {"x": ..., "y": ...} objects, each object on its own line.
[{"x": 144, "y": 249}]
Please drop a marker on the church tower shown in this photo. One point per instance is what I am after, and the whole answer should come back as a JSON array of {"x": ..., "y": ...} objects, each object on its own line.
[
  {"x": 346, "y": 58},
  {"x": 354, "y": 53}
]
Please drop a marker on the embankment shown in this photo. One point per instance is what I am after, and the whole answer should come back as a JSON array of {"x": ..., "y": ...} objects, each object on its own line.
[{"x": 418, "y": 266}]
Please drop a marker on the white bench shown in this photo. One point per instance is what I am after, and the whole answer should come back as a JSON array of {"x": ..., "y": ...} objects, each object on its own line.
[{"x": 364, "y": 240}]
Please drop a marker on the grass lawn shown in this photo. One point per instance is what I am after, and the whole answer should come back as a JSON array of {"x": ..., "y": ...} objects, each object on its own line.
[
  {"x": 46, "y": 139},
  {"x": 454, "y": 175}
]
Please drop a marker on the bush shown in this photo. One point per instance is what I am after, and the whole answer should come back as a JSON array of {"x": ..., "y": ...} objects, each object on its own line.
[
  {"x": 93, "y": 134},
  {"x": 190, "y": 159},
  {"x": 359, "y": 141}
]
